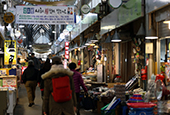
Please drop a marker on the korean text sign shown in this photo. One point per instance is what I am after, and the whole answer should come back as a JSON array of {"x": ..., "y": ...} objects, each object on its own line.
[
  {"x": 45, "y": 15},
  {"x": 10, "y": 52}
]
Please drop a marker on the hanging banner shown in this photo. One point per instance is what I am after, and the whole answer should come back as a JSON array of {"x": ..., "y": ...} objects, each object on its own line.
[
  {"x": 10, "y": 52},
  {"x": 45, "y": 15}
]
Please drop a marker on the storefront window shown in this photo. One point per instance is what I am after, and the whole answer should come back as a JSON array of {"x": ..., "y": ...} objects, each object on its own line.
[{"x": 165, "y": 50}]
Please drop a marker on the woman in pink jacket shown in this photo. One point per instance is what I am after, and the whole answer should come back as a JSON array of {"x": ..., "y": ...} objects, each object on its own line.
[{"x": 78, "y": 81}]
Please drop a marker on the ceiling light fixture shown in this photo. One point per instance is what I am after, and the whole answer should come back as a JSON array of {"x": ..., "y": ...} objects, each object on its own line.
[
  {"x": 141, "y": 31},
  {"x": 116, "y": 37},
  {"x": 94, "y": 39},
  {"x": 151, "y": 34},
  {"x": 108, "y": 39}
]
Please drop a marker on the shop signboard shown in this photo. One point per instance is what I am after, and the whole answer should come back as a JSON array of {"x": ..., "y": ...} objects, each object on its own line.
[
  {"x": 66, "y": 50},
  {"x": 10, "y": 52},
  {"x": 9, "y": 82},
  {"x": 45, "y": 15},
  {"x": 130, "y": 11}
]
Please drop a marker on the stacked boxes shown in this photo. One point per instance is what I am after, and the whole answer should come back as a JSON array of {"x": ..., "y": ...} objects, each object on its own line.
[{"x": 120, "y": 91}]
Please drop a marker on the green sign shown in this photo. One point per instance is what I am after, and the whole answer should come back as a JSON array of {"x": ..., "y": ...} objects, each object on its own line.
[{"x": 130, "y": 11}]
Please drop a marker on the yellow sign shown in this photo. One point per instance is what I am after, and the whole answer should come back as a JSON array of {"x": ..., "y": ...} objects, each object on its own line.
[
  {"x": 10, "y": 52},
  {"x": 9, "y": 17}
]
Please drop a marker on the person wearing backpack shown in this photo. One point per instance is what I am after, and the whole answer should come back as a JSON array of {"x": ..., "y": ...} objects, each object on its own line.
[
  {"x": 59, "y": 93},
  {"x": 78, "y": 81}
]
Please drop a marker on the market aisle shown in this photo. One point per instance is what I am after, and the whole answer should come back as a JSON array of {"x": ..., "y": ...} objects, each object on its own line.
[
  {"x": 23, "y": 109},
  {"x": 22, "y": 106}
]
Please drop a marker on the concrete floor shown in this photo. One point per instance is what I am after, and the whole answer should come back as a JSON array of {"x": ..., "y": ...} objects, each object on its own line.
[{"x": 23, "y": 109}]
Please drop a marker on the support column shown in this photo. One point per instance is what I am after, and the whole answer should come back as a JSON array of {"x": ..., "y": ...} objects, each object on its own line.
[
  {"x": 158, "y": 47},
  {"x": 117, "y": 58},
  {"x": 82, "y": 53}
]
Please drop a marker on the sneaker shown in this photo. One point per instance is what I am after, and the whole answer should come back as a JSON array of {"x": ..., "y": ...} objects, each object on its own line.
[
  {"x": 30, "y": 105},
  {"x": 33, "y": 104}
]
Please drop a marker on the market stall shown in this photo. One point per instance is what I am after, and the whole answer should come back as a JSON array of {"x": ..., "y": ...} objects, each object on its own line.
[{"x": 8, "y": 89}]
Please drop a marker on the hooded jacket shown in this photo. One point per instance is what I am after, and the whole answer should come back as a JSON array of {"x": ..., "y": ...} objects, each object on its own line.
[{"x": 49, "y": 105}]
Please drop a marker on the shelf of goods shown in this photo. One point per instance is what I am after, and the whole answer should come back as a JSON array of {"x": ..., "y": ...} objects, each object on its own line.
[
  {"x": 90, "y": 75},
  {"x": 8, "y": 89}
]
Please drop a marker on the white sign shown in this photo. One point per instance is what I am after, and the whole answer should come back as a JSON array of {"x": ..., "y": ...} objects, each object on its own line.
[
  {"x": 45, "y": 15},
  {"x": 149, "y": 48},
  {"x": 115, "y": 3},
  {"x": 85, "y": 9}
]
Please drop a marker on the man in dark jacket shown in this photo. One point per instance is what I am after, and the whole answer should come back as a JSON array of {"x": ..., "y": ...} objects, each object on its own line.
[
  {"x": 36, "y": 61},
  {"x": 50, "y": 106},
  {"x": 29, "y": 78}
]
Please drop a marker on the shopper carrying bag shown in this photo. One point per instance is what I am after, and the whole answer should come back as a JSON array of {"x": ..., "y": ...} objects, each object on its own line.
[{"x": 56, "y": 81}]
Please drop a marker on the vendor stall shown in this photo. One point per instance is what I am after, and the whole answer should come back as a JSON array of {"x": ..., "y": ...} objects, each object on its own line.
[{"x": 9, "y": 89}]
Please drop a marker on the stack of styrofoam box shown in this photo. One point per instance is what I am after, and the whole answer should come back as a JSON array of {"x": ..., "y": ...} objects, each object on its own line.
[{"x": 120, "y": 91}]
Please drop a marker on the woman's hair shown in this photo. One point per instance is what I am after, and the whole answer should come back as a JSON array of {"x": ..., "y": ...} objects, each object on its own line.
[
  {"x": 72, "y": 65},
  {"x": 47, "y": 64}
]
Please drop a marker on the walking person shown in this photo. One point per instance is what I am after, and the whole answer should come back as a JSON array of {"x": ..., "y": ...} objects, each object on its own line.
[
  {"x": 50, "y": 104},
  {"x": 46, "y": 67},
  {"x": 78, "y": 81},
  {"x": 35, "y": 60},
  {"x": 29, "y": 78}
]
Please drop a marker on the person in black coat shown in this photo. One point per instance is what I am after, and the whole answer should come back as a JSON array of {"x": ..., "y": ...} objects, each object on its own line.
[
  {"x": 46, "y": 67},
  {"x": 30, "y": 78}
]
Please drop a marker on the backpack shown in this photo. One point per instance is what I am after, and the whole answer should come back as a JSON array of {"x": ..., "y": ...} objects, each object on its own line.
[{"x": 61, "y": 89}]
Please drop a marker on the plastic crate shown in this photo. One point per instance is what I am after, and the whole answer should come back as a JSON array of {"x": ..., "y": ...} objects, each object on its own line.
[{"x": 107, "y": 112}]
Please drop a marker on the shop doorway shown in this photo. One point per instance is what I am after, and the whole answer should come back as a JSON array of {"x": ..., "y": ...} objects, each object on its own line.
[{"x": 127, "y": 69}]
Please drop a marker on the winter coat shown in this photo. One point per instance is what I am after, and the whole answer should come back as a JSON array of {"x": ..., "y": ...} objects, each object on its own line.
[
  {"x": 30, "y": 74},
  {"x": 36, "y": 62},
  {"x": 40, "y": 80},
  {"x": 49, "y": 105},
  {"x": 78, "y": 81}
]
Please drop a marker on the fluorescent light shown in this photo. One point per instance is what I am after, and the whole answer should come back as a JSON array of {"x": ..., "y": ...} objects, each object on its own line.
[
  {"x": 24, "y": 37},
  {"x": 116, "y": 40},
  {"x": 151, "y": 37},
  {"x": 87, "y": 44},
  {"x": 21, "y": 26},
  {"x": 54, "y": 32},
  {"x": 5, "y": 7},
  {"x": 49, "y": 43},
  {"x": 167, "y": 37},
  {"x": 166, "y": 21}
]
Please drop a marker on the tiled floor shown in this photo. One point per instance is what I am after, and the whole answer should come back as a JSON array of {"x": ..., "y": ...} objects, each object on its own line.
[{"x": 23, "y": 109}]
